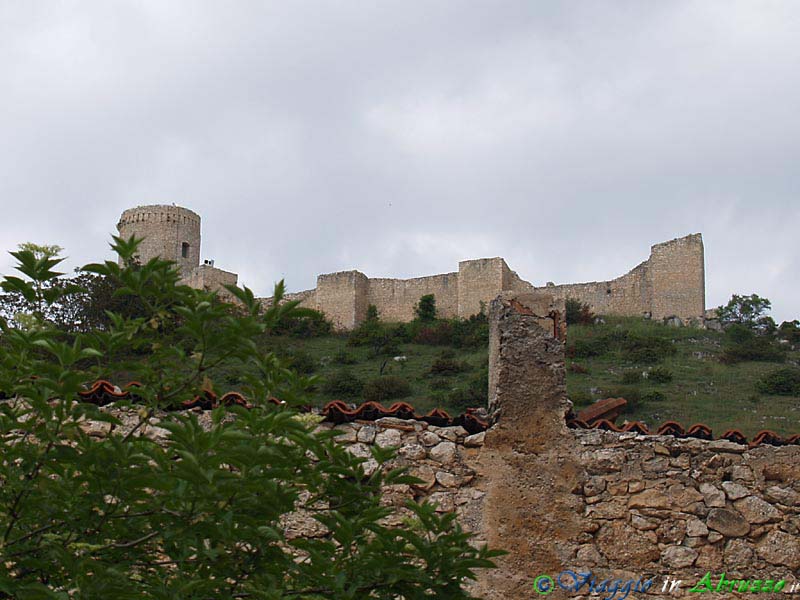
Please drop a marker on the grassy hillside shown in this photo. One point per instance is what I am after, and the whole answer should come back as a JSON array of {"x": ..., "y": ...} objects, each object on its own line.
[
  {"x": 702, "y": 389},
  {"x": 604, "y": 360}
]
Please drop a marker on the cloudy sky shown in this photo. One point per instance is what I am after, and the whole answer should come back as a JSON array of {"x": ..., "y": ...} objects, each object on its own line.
[{"x": 398, "y": 138}]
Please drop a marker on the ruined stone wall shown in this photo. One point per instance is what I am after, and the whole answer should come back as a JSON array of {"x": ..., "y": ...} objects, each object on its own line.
[
  {"x": 395, "y": 298},
  {"x": 676, "y": 272},
  {"x": 671, "y": 282},
  {"x": 479, "y": 282},
  {"x": 343, "y": 298},
  {"x": 627, "y": 295},
  {"x": 206, "y": 277},
  {"x": 165, "y": 230}
]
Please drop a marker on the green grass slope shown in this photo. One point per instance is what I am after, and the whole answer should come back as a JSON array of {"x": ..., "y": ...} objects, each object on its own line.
[{"x": 621, "y": 357}]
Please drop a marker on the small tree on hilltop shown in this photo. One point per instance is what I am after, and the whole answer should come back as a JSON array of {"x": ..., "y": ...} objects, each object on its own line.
[
  {"x": 426, "y": 308},
  {"x": 749, "y": 311},
  {"x": 203, "y": 511}
]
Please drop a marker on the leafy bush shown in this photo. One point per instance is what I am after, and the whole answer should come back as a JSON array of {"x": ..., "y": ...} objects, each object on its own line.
[
  {"x": 438, "y": 333},
  {"x": 578, "y": 313},
  {"x": 742, "y": 344},
  {"x": 372, "y": 313},
  {"x": 300, "y": 360},
  {"x": 425, "y": 309},
  {"x": 645, "y": 349},
  {"x": 387, "y": 387},
  {"x": 343, "y": 384},
  {"x": 781, "y": 382},
  {"x": 790, "y": 331},
  {"x": 201, "y": 514},
  {"x": 631, "y": 377},
  {"x": 659, "y": 375},
  {"x": 474, "y": 394},
  {"x": 448, "y": 366},
  {"x": 747, "y": 311},
  {"x": 653, "y": 396},
  {"x": 310, "y": 323},
  {"x": 586, "y": 348},
  {"x": 440, "y": 383},
  {"x": 343, "y": 357}
]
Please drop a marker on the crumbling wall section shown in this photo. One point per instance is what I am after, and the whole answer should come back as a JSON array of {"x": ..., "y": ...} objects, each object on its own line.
[
  {"x": 671, "y": 282},
  {"x": 206, "y": 277},
  {"x": 479, "y": 282}
]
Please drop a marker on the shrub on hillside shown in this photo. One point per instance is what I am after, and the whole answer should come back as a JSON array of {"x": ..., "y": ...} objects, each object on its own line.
[
  {"x": 781, "y": 382},
  {"x": 299, "y": 360},
  {"x": 438, "y": 333},
  {"x": 343, "y": 384},
  {"x": 631, "y": 377},
  {"x": 659, "y": 375},
  {"x": 343, "y": 357},
  {"x": 586, "y": 348},
  {"x": 310, "y": 324},
  {"x": 644, "y": 348},
  {"x": 653, "y": 396},
  {"x": 425, "y": 309},
  {"x": 387, "y": 387},
  {"x": 474, "y": 394},
  {"x": 790, "y": 331},
  {"x": 444, "y": 365},
  {"x": 743, "y": 344},
  {"x": 578, "y": 313}
]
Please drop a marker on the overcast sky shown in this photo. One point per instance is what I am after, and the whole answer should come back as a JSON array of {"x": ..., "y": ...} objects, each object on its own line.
[{"x": 398, "y": 138}]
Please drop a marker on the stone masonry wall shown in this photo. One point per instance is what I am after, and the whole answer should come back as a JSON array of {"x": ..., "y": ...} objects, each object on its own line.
[
  {"x": 685, "y": 507},
  {"x": 164, "y": 229},
  {"x": 395, "y": 298},
  {"x": 670, "y": 283}
]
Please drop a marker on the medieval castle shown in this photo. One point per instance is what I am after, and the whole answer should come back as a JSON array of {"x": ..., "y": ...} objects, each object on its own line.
[{"x": 670, "y": 283}]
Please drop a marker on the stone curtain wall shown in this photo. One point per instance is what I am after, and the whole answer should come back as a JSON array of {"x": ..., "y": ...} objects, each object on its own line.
[
  {"x": 670, "y": 283},
  {"x": 164, "y": 229},
  {"x": 395, "y": 298}
]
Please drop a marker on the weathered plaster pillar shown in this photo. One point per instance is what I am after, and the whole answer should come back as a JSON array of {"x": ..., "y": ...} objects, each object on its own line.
[{"x": 529, "y": 463}]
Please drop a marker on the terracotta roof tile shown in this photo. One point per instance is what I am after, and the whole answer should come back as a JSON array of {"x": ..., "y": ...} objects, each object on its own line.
[{"x": 602, "y": 414}]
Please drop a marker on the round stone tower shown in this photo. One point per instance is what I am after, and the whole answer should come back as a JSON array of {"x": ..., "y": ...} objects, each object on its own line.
[{"x": 169, "y": 232}]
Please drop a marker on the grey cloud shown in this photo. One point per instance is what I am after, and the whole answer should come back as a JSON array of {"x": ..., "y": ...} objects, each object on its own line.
[{"x": 398, "y": 138}]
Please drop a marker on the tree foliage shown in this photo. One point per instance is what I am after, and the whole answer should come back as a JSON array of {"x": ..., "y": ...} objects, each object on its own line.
[
  {"x": 749, "y": 311},
  {"x": 200, "y": 514},
  {"x": 425, "y": 309}
]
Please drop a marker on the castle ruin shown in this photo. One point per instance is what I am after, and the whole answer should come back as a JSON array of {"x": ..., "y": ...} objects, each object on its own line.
[
  {"x": 670, "y": 283},
  {"x": 173, "y": 233}
]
